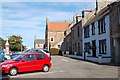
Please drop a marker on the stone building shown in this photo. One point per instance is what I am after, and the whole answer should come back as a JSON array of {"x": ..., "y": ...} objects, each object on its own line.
[
  {"x": 55, "y": 34},
  {"x": 115, "y": 31},
  {"x": 39, "y": 43},
  {"x": 76, "y": 32},
  {"x": 67, "y": 46}
]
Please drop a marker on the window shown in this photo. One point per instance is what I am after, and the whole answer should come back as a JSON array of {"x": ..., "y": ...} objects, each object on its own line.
[
  {"x": 101, "y": 26},
  {"x": 86, "y": 32},
  {"x": 72, "y": 34},
  {"x": 102, "y": 46},
  {"x": 29, "y": 57},
  {"x": 58, "y": 46},
  {"x": 78, "y": 47},
  {"x": 119, "y": 14},
  {"x": 87, "y": 46},
  {"x": 40, "y": 56},
  {"x": 51, "y": 39},
  {"x": 75, "y": 47},
  {"x": 93, "y": 28},
  {"x": 65, "y": 33},
  {"x": 78, "y": 31}
]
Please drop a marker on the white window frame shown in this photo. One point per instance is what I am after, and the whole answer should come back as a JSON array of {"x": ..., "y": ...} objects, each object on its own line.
[{"x": 51, "y": 38}]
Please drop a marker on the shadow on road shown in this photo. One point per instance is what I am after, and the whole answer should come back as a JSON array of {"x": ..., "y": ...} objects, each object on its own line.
[
  {"x": 5, "y": 77},
  {"x": 29, "y": 72}
]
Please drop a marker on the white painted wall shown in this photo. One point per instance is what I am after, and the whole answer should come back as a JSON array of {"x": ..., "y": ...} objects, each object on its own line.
[{"x": 98, "y": 37}]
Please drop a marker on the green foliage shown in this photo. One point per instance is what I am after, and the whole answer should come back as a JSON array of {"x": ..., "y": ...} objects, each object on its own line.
[
  {"x": 54, "y": 51},
  {"x": 2, "y": 43},
  {"x": 15, "y": 43}
]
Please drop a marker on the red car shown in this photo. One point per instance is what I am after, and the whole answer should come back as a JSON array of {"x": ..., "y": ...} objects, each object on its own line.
[{"x": 27, "y": 62}]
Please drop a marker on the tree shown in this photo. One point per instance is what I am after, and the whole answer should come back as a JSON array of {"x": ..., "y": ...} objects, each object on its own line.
[
  {"x": 15, "y": 43},
  {"x": 2, "y": 43}
]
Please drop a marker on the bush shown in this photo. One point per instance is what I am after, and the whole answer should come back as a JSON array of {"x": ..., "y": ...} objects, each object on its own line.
[{"x": 54, "y": 51}]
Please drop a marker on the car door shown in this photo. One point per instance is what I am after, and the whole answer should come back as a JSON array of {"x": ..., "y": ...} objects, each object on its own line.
[
  {"x": 40, "y": 61},
  {"x": 27, "y": 63}
]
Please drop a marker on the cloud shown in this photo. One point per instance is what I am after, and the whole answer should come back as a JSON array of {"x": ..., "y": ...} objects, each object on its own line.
[
  {"x": 29, "y": 18},
  {"x": 49, "y": 1}
]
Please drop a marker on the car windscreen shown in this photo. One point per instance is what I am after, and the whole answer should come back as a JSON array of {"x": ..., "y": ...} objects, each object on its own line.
[{"x": 18, "y": 57}]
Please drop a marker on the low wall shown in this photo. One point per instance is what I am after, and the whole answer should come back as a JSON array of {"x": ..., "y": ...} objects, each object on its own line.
[{"x": 99, "y": 60}]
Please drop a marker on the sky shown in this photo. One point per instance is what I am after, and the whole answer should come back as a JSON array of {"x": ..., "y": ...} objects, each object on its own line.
[{"x": 28, "y": 19}]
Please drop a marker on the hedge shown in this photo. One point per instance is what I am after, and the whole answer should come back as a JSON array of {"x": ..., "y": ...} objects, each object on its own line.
[{"x": 54, "y": 51}]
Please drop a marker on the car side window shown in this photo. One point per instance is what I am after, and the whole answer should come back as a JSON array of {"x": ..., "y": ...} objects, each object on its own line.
[
  {"x": 40, "y": 56},
  {"x": 29, "y": 57}
]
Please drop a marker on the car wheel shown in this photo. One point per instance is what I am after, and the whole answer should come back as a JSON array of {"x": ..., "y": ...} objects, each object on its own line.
[
  {"x": 45, "y": 68},
  {"x": 13, "y": 71}
]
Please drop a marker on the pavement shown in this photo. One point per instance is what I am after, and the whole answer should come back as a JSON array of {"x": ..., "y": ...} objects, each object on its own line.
[{"x": 64, "y": 67}]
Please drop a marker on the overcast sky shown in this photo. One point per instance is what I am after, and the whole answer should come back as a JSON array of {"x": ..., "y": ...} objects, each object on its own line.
[{"x": 27, "y": 19}]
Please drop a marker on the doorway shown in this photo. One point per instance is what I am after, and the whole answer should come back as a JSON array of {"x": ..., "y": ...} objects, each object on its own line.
[
  {"x": 117, "y": 50},
  {"x": 94, "y": 48}
]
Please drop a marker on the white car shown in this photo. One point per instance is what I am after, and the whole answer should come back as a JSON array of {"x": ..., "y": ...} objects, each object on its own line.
[{"x": 46, "y": 52}]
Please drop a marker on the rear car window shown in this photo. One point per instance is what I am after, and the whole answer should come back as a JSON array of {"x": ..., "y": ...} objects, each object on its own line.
[{"x": 40, "y": 56}]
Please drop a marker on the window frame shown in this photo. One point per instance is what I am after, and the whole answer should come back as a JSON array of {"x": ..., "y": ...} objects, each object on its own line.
[
  {"x": 101, "y": 26},
  {"x": 87, "y": 31},
  {"x": 102, "y": 46},
  {"x": 51, "y": 39},
  {"x": 87, "y": 47},
  {"x": 93, "y": 28}
]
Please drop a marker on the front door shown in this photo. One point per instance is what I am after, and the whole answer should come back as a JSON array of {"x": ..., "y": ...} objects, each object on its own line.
[
  {"x": 27, "y": 63},
  {"x": 94, "y": 48}
]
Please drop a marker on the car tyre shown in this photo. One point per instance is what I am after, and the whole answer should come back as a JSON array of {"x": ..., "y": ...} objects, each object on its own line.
[
  {"x": 45, "y": 68},
  {"x": 13, "y": 71}
]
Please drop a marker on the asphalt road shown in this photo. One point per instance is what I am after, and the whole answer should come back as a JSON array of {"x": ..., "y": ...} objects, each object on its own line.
[{"x": 64, "y": 67}]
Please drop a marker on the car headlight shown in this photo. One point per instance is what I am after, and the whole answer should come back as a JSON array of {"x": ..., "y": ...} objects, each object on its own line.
[{"x": 5, "y": 66}]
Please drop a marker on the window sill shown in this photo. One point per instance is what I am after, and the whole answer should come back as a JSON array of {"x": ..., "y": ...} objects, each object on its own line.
[{"x": 101, "y": 33}]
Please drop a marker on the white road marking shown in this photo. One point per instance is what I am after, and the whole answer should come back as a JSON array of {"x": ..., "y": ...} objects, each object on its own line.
[{"x": 64, "y": 60}]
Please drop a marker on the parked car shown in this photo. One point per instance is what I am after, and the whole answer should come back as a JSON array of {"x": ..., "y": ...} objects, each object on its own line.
[
  {"x": 2, "y": 56},
  {"x": 27, "y": 62},
  {"x": 45, "y": 51}
]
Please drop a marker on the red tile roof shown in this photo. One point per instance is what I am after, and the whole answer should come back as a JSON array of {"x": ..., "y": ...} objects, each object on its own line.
[{"x": 58, "y": 26}]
